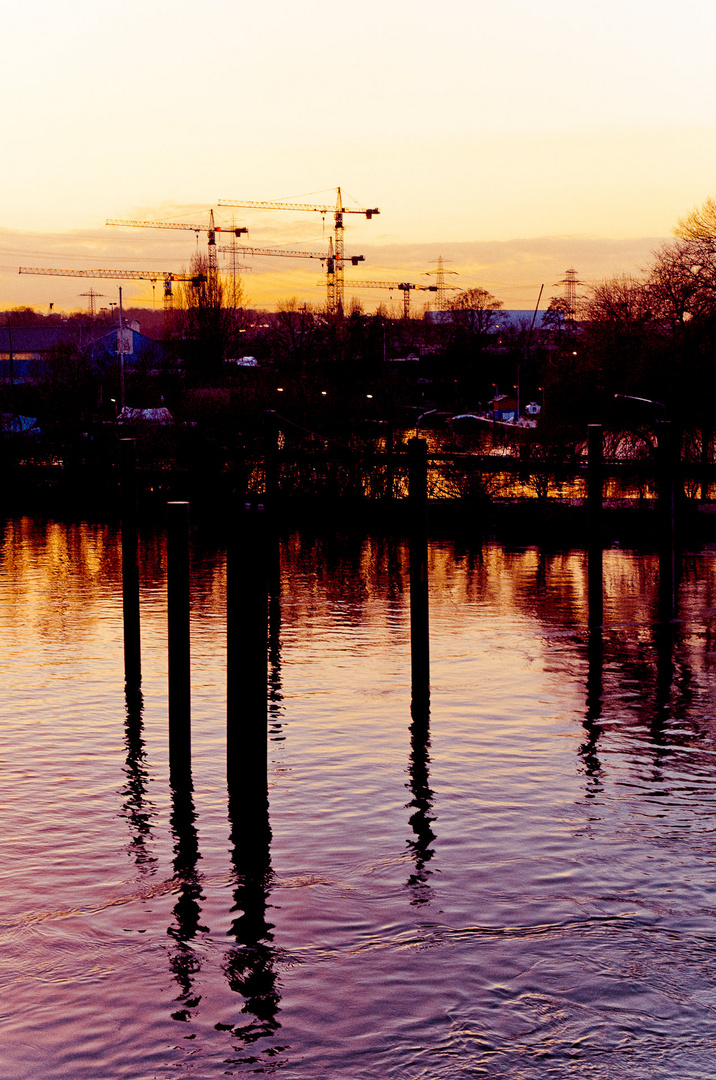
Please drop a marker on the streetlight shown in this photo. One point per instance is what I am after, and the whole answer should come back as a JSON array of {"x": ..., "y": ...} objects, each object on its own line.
[{"x": 643, "y": 400}]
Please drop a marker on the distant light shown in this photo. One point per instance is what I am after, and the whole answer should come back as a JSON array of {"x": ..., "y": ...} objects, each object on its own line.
[
  {"x": 280, "y": 389},
  {"x": 369, "y": 395},
  {"x": 323, "y": 393}
]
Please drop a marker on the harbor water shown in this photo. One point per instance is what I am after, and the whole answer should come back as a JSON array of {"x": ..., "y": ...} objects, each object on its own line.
[{"x": 521, "y": 885}]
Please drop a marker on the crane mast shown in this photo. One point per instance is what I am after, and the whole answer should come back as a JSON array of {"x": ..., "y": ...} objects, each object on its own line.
[{"x": 336, "y": 259}]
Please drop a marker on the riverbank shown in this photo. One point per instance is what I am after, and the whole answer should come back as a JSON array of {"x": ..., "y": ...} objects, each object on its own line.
[{"x": 94, "y": 495}]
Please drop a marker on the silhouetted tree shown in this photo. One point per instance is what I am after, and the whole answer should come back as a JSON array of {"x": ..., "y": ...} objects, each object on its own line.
[
  {"x": 203, "y": 322},
  {"x": 295, "y": 333},
  {"x": 700, "y": 224},
  {"x": 474, "y": 314}
]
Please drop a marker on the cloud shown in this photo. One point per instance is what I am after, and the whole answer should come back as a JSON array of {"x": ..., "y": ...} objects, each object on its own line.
[{"x": 513, "y": 270}]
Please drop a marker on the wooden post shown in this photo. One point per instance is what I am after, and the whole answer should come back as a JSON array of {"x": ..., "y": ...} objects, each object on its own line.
[
  {"x": 419, "y": 620},
  {"x": 179, "y": 643},
  {"x": 130, "y": 564},
  {"x": 247, "y": 665},
  {"x": 595, "y": 496}
]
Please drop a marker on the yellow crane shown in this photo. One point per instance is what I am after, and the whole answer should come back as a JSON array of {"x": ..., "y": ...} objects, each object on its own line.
[
  {"x": 167, "y": 276},
  {"x": 337, "y": 259},
  {"x": 211, "y": 230},
  {"x": 285, "y": 253},
  {"x": 406, "y": 287}
]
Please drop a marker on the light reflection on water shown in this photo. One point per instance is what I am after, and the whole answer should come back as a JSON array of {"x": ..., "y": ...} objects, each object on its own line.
[{"x": 519, "y": 885}]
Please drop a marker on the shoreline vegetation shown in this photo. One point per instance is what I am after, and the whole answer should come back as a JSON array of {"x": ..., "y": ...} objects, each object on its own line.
[{"x": 483, "y": 486}]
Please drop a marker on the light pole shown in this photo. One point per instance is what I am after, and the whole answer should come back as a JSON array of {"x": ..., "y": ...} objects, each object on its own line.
[{"x": 120, "y": 341}]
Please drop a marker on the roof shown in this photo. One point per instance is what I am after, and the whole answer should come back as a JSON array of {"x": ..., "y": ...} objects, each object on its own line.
[
  {"x": 35, "y": 339},
  {"x": 104, "y": 348},
  {"x": 18, "y": 425},
  {"x": 500, "y": 316}
]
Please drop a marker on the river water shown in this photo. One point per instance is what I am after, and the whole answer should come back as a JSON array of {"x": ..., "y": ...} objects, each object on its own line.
[{"x": 523, "y": 888}]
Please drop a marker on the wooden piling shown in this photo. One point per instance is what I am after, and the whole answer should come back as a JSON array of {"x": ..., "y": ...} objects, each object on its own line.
[
  {"x": 419, "y": 617},
  {"x": 179, "y": 642},
  {"x": 130, "y": 564},
  {"x": 247, "y": 660},
  {"x": 595, "y": 502}
]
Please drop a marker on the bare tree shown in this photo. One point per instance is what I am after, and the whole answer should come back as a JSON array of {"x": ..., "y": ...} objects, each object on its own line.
[
  {"x": 682, "y": 282},
  {"x": 621, "y": 302},
  {"x": 203, "y": 320},
  {"x": 475, "y": 311},
  {"x": 294, "y": 333},
  {"x": 700, "y": 224}
]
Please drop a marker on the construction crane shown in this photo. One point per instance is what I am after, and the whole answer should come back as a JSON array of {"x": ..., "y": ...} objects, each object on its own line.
[
  {"x": 211, "y": 230},
  {"x": 329, "y": 259},
  {"x": 167, "y": 276},
  {"x": 335, "y": 271},
  {"x": 286, "y": 253},
  {"x": 406, "y": 287}
]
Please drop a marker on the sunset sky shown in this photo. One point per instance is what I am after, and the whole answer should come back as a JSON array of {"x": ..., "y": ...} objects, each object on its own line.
[{"x": 514, "y": 139}]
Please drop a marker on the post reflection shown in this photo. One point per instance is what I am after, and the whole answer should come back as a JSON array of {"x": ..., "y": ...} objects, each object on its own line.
[
  {"x": 275, "y": 688},
  {"x": 421, "y": 804},
  {"x": 668, "y": 583},
  {"x": 592, "y": 720},
  {"x": 184, "y": 961},
  {"x": 136, "y": 808},
  {"x": 675, "y": 682},
  {"x": 664, "y": 648},
  {"x": 249, "y": 967}
]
